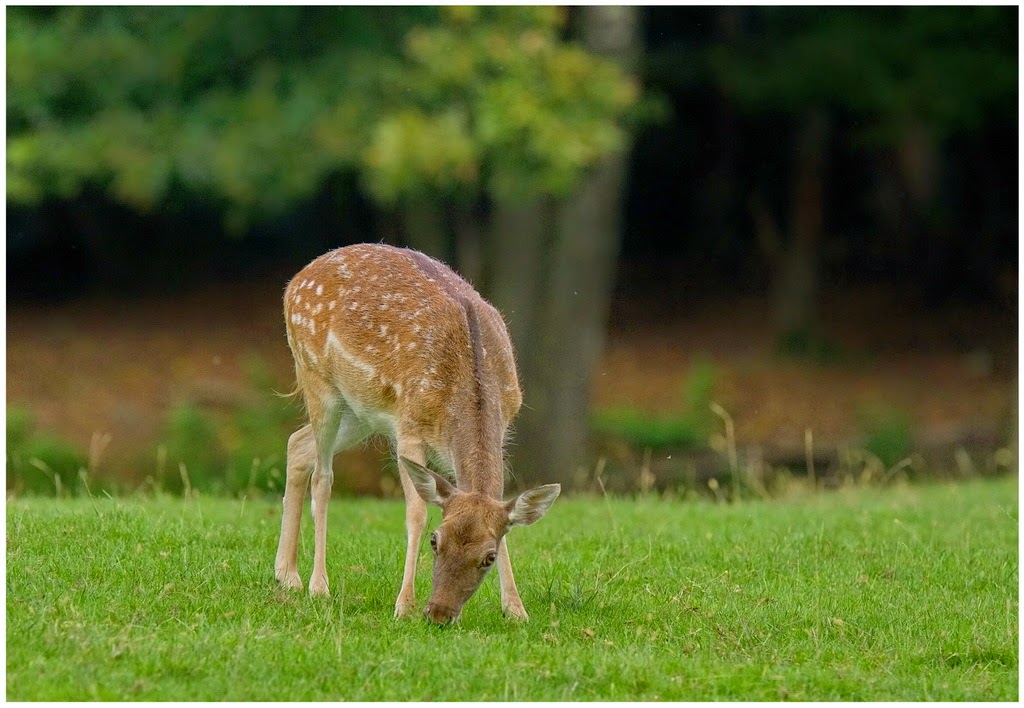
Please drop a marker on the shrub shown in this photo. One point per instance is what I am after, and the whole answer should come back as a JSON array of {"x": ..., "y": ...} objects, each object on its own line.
[
  {"x": 192, "y": 441},
  {"x": 40, "y": 463},
  {"x": 687, "y": 428},
  {"x": 239, "y": 452},
  {"x": 888, "y": 434}
]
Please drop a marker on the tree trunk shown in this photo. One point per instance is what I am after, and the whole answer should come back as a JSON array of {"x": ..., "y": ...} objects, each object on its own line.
[
  {"x": 517, "y": 247},
  {"x": 797, "y": 269},
  {"x": 572, "y": 326},
  {"x": 469, "y": 246},
  {"x": 561, "y": 334}
]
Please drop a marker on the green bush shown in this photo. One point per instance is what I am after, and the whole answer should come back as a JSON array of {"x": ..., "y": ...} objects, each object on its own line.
[
  {"x": 40, "y": 463},
  {"x": 888, "y": 434},
  {"x": 242, "y": 451},
  {"x": 19, "y": 426},
  {"x": 192, "y": 442},
  {"x": 688, "y": 428},
  {"x": 257, "y": 460}
]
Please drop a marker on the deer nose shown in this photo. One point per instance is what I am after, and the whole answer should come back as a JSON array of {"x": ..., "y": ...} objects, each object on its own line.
[{"x": 438, "y": 614}]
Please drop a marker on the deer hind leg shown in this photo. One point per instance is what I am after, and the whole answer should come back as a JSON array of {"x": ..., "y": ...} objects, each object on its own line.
[
  {"x": 511, "y": 604},
  {"x": 300, "y": 461},
  {"x": 334, "y": 426},
  {"x": 415, "y": 522}
]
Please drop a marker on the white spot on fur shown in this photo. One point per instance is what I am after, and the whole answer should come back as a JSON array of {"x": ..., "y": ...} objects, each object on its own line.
[
  {"x": 330, "y": 305},
  {"x": 319, "y": 289}
]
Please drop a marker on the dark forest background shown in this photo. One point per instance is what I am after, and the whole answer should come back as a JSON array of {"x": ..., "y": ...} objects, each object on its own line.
[{"x": 681, "y": 196}]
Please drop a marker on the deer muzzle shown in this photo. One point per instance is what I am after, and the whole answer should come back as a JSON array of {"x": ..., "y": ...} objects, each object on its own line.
[{"x": 439, "y": 614}]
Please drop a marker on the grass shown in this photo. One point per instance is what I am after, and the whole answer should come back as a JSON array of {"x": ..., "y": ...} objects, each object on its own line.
[{"x": 906, "y": 593}]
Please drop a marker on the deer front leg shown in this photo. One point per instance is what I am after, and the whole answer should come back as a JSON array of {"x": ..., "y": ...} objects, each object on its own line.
[
  {"x": 511, "y": 604},
  {"x": 300, "y": 461},
  {"x": 415, "y": 522}
]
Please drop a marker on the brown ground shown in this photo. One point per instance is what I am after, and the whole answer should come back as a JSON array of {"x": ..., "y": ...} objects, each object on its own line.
[{"x": 110, "y": 365}]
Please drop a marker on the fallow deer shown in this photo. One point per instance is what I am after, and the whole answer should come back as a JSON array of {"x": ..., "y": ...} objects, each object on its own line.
[{"x": 388, "y": 340}]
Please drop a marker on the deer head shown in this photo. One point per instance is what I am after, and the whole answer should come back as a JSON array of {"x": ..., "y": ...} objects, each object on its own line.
[{"x": 465, "y": 545}]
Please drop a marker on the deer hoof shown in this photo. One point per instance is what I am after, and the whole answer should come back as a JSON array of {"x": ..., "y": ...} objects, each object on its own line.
[
  {"x": 318, "y": 586},
  {"x": 289, "y": 581},
  {"x": 405, "y": 607},
  {"x": 515, "y": 611}
]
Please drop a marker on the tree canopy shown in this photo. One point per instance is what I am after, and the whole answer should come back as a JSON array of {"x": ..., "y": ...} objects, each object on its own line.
[
  {"x": 253, "y": 107},
  {"x": 890, "y": 67}
]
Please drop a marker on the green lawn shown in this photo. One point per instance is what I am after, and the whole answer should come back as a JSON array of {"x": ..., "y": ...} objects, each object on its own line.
[{"x": 896, "y": 594}]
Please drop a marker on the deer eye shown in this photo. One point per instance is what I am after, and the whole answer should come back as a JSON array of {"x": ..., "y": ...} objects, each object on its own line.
[
  {"x": 433, "y": 542},
  {"x": 488, "y": 560}
]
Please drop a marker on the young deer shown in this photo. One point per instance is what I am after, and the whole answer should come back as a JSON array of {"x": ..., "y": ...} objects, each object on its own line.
[{"x": 389, "y": 340}]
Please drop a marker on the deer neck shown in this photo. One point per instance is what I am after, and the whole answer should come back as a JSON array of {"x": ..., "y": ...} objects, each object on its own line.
[
  {"x": 479, "y": 469},
  {"x": 479, "y": 429}
]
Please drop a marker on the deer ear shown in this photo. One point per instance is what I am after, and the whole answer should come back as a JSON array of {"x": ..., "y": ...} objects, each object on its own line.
[
  {"x": 432, "y": 487},
  {"x": 529, "y": 506}
]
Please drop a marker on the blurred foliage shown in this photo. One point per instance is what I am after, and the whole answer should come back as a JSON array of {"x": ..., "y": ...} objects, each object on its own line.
[
  {"x": 195, "y": 453},
  {"x": 494, "y": 99},
  {"x": 688, "y": 428},
  {"x": 253, "y": 107},
  {"x": 259, "y": 434},
  {"x": 894, "y": 68},
  {"x": 888, "y": 433},
  {"x": 40, "y": 463},
  {"x": 240, "y": 452},
  {"x": 812, "y": 346},
  {"x": 19, "y": 427}
]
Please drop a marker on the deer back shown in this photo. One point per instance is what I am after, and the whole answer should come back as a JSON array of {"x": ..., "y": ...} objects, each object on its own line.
[{"x": 404, "y": 339}]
